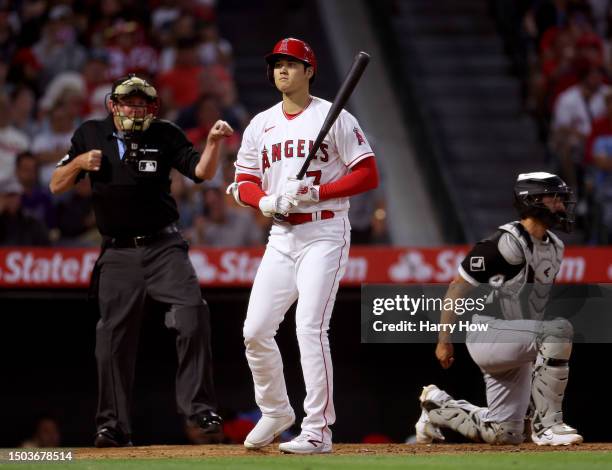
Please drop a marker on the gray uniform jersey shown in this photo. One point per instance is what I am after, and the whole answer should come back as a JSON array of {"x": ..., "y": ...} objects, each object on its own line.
[
  {"x": 520, "y": 271},
  {"x": 519, "y": 268}
]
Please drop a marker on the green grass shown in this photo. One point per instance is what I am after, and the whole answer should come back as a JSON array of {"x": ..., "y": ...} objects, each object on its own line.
[{"x": 497, "y": 461}]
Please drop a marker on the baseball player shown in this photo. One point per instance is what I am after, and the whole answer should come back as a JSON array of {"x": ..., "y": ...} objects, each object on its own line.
[
  {"x": 307, "y": 249},
  {"x": 524, "y": 358}
]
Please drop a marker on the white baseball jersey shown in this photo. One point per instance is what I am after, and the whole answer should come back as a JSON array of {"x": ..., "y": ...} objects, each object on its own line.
[{"x": 275, "y": 145}]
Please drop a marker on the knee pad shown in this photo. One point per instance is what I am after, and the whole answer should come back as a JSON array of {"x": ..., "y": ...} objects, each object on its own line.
[{"x": 556, "y": 341}]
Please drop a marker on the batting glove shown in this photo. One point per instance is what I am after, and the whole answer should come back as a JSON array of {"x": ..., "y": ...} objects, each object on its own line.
[
  {"x": 301, "y": 190},
  {"x": 276, "y": 204}
]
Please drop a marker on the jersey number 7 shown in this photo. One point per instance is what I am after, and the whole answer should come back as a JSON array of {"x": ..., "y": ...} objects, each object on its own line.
[{"x": 316, "y": 174}]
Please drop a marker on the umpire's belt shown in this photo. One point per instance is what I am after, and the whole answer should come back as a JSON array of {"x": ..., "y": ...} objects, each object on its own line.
[
  {"x": 142, "y": 240},
  {"x": 297, "y": 218}
]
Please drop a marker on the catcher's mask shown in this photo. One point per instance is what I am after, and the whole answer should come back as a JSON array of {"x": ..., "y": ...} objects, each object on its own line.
[
  {"x": 529, "y": 191},
  {"x": 141, "y": 119}
]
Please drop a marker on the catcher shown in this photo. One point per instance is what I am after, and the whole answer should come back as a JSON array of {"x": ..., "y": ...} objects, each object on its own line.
[{"x": 524, "y": 359}]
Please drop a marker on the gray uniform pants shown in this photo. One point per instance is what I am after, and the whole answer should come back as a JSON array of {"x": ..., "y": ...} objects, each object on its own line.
[
  {"x": 163, "y": 272},
  {"x": 506, "y": 354}
]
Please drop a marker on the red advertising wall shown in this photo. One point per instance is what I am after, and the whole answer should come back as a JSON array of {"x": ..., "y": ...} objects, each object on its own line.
[{"x": 71, "y": 267}]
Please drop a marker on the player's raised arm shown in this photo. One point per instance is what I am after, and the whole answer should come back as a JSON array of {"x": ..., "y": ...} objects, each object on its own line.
[{"x": 209, "y": 160}]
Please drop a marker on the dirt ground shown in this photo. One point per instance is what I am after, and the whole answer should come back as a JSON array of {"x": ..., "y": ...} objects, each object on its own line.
[{"x": 161, "y": 452}]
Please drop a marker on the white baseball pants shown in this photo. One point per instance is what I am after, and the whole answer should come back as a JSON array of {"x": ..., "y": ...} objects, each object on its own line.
[{"x": 304, "y": 262}]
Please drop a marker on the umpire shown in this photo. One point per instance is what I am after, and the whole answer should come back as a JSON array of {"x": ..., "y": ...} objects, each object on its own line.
[{"x": 128, "y": 157}]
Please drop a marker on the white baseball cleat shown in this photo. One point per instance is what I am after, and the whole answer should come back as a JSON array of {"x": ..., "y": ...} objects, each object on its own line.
[
  {"x": 426, "y": 431},
  {"x": 267, "y": 429},
  {"x": 557, "y": 435},
  {"x": 306, "y": 444}
]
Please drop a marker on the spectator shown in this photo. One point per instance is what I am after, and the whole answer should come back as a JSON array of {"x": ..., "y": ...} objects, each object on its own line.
[
  {"x": 368, "y": 216},
  {"x": 188, "y": 198},
  {"x": 67, "y": 88},
  {"x": 57, "y": 50},
  {"x": 46, "y": 433},
  {"x": 206, "y": 112},
  {"x": 213, "y": 49},
  {"x": 98, "y": 85},
  {"x": 23, "y": 104},
  {"x": 180, "y": 86},
  {"x": 35, "y": 200},
  {"x": 574, "y": 112},
  {"x": 75, "y": 217},
  {"x": 12, "y": 140},
  {"x": 17, "y": 228},
  {"x": 7, "y": 35},
  {"x": 53, "y": 143},
  {"x": 602, "y": 187},
  {"x": 128, "y": 51},
  {"x": 222, "y": 226}
]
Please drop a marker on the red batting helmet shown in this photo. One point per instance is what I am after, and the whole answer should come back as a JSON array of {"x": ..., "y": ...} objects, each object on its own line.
[{"x": 295, "y": 48}]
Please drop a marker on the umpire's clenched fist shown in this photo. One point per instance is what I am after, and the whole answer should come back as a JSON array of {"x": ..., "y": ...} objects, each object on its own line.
[{"x": 91, "y": 161}]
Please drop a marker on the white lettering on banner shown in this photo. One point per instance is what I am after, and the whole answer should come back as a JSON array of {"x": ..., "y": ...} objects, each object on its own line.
[
  {"x": 238, "y": 267},
  {"x": 13, "y": 272},
  {"x": 448, "y": 261},
  {"x": 24, "y": 267},
  {"x": 610, "y": 272},
  {"x": 356, "y": 270},
  {"x": 572, "y": 269},
  {"x": 89, "y": 261},
  {"x": 411, "y": 266},
  {"x": 205, "y": 271}
]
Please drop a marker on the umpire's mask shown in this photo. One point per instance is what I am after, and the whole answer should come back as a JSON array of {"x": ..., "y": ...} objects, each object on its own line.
[{"x": 142, "y": 115}]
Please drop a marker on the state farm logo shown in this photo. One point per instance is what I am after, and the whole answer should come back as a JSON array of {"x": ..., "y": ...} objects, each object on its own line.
[
  {"x": 412, "y": 266},
  {"x": 356, "y": 270},
  {"x": 205, "y": 271},
  {"x": 231, "y": 267},
  {"x": 572, "y": 269},
  {"x": 24, "y": 267}
]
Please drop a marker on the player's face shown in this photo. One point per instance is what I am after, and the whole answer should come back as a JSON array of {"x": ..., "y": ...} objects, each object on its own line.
[
  {"x": 554, "y": 203},
  {"x": 291, "y": 75},
  {"x": 131, "y": 106}
]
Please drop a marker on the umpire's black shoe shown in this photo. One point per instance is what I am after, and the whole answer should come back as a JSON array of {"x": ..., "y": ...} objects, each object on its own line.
[
  {"x": 209, "y": 422},
  {"x": 109, "y": 437}
]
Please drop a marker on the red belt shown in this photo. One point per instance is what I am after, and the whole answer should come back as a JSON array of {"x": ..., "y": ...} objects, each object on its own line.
[{"x": 297, "y": 219}]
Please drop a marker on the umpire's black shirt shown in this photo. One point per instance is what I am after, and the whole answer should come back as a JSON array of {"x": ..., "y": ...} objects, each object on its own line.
[{"x": 130, "y": 200}]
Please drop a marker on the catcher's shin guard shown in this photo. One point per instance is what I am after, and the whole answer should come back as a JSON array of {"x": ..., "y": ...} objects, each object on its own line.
[
  {"x": 547, "y": 393},
  {"x": 463, "y": 417},
  {"x": 458, "y": 415},
  {"x": 549, "y": 383}
]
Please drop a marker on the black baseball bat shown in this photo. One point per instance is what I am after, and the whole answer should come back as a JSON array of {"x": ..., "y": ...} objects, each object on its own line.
[{"x": 360, "y": 62}]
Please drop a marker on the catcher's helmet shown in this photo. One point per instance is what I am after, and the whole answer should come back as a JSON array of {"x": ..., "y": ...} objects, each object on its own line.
[
  {"x": 291, "y": 47},
  {"x": 528, "y": 192},
  {"x": 133, "y": 85}
]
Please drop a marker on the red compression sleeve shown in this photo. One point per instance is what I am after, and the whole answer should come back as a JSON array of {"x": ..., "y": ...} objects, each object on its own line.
[
  {"x": 250, "y": 193},
  {"x": 362, "y": 178}
]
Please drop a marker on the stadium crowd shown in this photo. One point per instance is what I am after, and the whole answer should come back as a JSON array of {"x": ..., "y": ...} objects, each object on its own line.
[
  {"x": 58, "y": 60},
  {"x": 563, "y": 51}
]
